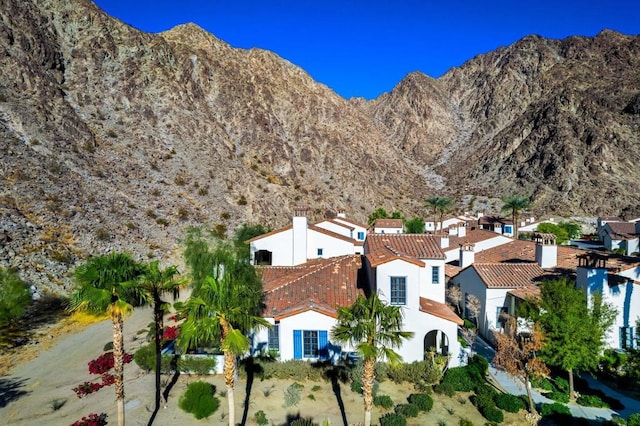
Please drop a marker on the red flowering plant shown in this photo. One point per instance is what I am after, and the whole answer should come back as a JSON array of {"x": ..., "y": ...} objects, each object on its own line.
[
  {"x": 92, "y": 419},
  {"x": 101, "y": 365},
  {"x": 170, "y": 333}
]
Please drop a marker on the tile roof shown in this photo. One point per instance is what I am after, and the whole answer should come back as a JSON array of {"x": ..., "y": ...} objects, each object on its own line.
[
  {"x": 508, "y": 275},
  {"x": 530, "y": 291},
  {"x": 388, "y": 223},
  {"x": 331, "y": 233},
  {"x": 318, "y": 285},
  {"x": 614, "y": 262},
  {"x": 451, "y": 270},
  {"x": 439, "y": 310},
  {"x": 473, "y": 236},
  {"x": 622, "y": 230},
  {"x": 522, "y": 251},
  {"x": 335, "y": 222},
  {"x": 382, "y": 248}
]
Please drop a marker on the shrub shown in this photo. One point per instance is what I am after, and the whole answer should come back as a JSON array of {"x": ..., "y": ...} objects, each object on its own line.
[
  {"x": 415, "y": 372},
  {"x": 199, "y": 400},
  {"x": 407, "y": 410},
  {"x": 261, "y": 418},
  {"x": 591, "y": 401},
  {"x": 465, "y": 422},
  {"x": 145, "y": 358},
  {"x": 460, "y": 379},
  {"x": 383, "y": 401},
  {"x": 542, "y": 383},
  {"x": 423, "y": 401},
  {"x": 445, "y": 389},
  {"x": 469, "y": 324},
  {"x": 555, "y": 408},
  {"x": 293, "y": 395},
  {"x": 634, "y": 420},
  {"x": 485, "y": 397},
  {"x": 493, "y": 414},
  {"x": 196, "y": 364},
  {"x": 393, "y": 419},
  {"x": 558, "y": 396},
  {"x": 510, "y": 403},
  {"x": 92, "y": 419},
  {"x": 479, "y": 364},
  {"x": 562, "y": 384}
]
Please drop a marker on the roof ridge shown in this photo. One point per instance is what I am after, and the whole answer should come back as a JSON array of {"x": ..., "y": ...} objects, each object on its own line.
[{"x": 330, "y": 262}]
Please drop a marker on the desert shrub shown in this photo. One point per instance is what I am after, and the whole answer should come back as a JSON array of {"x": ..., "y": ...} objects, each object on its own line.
[
  {"x": 555, "y": 408},
  {"x": 445, "y": 389},
  {"x": 196, "y": 364},
  {"x": 261, "y": 418},
  {"x": 484, "y": 398},
  {"x": 423, "y": 401},
  {"x": 199, "y": 400},
  {"x": 383, "y": 401},
  {"x": 465, "y": 422},
  {"x": 415, "y": 372},
  {"x": 293, "y": 395},
  {"x": 382, "y": 370},
  {"x": 461, "y": 378},
  {"x": 393, "y": 419},
  {"x": 292, "y": 369},
  {"x": 634, "y": 420},
  {"x": 303, "y": 422},
  {"x": 407, "y": 410},
  {"x": 493, "y": 414},
  {"x": 591, "y": 401},
  {"x": 558, "y": 396},
  {"x": 145, "y": 358},
  {"x": 510, "y": 403}
]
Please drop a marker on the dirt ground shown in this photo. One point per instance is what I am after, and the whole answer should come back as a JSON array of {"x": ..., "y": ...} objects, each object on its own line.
[{"x": 36, "y": 383}]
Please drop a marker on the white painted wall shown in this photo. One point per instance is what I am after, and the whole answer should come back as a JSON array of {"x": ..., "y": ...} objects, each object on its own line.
[
  {"x": 453, "y": 253},
  {"x": 330, "y": 246},
  {"x": 345, "y": 230},
  {"x": 279, "y": 244},
  {"x": 356, "y": 229},
  {"x": 388, "y": 230}
]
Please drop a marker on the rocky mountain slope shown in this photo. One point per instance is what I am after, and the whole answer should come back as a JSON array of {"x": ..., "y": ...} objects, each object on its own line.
[{"x": 115, "y": 139}]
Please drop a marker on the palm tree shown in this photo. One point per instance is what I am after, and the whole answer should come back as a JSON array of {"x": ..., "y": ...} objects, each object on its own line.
[
  {"x": 374, "y": 328},
  {"x": 515, "y": 204},
  {"x": 106, "y": 284},
  {"x": 438, "y": 205},
  {"x": 224, "y": 305},
  {"x": 154, "y": 283}
]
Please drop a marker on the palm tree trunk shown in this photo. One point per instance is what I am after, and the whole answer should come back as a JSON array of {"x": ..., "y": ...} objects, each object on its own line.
[
  {"x": 368, "y": 377},
  {"x": 118, "y": 363},
  {"x": 229, "y": 373},
  {"x": 532, "y": 405},
  {"x": 157, "y": 317}
]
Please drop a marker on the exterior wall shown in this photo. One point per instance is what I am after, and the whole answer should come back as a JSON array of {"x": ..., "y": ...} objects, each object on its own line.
[
  {"x": 280, "y": 245},
  {"x": 453, "y": 253},
  {"x": 388, "y": 230},
  {"x": 299, "y": 243},
  {"x": 471, "y": 284},
  {"x": 356, "y": 229},
  {"x": 347, "y": 231},
  {"x": 429, "y": 289},
  {"x": 330, "y": 246},
  {"x": 592, "y": 280}
]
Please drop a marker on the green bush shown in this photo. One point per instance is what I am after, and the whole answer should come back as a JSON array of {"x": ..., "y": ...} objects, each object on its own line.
[
  {"x": 393, "y": 419},
  {"x": 199, "y": 400},
  {"x": 493, "y": 414},
  {"x": 542, "y": 383},
  {"x": 561, "y": 384},
  {"x": 510, "y": 403},
  {"x": 465, "y": 422},
  {"x": 555, "y": 408},
  {"x": 485, "y": 396},
  {"x": 469, "y": 324},
  {"x": 415, "y": 372},
  {"x": 423, "y": 401},
  {"x": 558, "y": 396},
  {"x": 479, "y": 364},
  {"x": 445, "y": 389},
  {"x": 289, "y": 370},
  {"x": 461, "y": 379},
  {"x": 634, "y": 420},
  {"x": 383, "y": 401},
  {"x": 196, "y": 364},
  {"x": 261, "y": 418},
  {"x": 407, "y": 410},
  {"x": 591, "y": 401},
  {"x": 145, "y": 358}
]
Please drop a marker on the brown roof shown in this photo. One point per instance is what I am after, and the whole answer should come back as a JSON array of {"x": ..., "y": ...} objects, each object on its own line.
[
  {"x": 522, "y": 251},
  {"x": 277, "y": 231},
  {"x": 335, "y": 222},
  {"x": 311, "y": 227},
  {"x": 320, "y": 285},
  {"x": 530, "y": 291},
  {"x": 451, "y": 270},
  {"x": 439, "y": 310},
  {"x": 353, "y": 222},
  {"x": 492, "y": 220},
  {"x": 614, "y": 262},
  {"x": 382, "y": 248},
  {"x": 388, "y": 223},
  {"x": 472, "y": 236},
  {"x": 331, "y": 233},
  {"x": 508, "y": 275},
  {"x": 622, "y": 230}
]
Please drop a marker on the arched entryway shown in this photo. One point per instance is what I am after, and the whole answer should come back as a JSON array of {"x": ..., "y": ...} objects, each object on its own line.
[{"x": 436, "y": 342}]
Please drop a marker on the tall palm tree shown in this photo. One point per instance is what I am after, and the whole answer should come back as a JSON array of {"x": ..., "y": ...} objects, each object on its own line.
[
  {"x": 439, "y": 205},
  {"x": 106, "y": 284},
  {"x": 373, "y": 328},
  {"x": 224, "y": 305},
  {"x": 515, "y": 204},
  {"x": 154, "y": 283}
]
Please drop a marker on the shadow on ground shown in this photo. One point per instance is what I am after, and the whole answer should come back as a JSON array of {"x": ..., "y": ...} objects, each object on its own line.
[{"x": 11, "y": 390}]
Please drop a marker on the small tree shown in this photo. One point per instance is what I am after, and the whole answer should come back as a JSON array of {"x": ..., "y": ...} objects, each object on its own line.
[
  {"x": 517, "y": 356},
  {"x": 439, "y": 206},
  {"x": 474, "y": 305},
  {"x": 454, "y": 296},
  {"x": 414, "y": 226}
]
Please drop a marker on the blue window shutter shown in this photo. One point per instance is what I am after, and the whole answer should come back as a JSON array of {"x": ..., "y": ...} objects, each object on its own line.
[
  {"x": 322, "y": 339},
  {"x": 297, "y": 344}
]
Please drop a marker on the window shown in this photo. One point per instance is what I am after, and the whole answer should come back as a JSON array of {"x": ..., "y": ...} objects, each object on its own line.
[
  {"x": 435, "y": 275},
  {"x": 263, "y": 257},
  {"x": 626, "y": 338},
  {"x": 361, "y": 235},
  {"x": 502, "y": 314},
  {"x": 320, "y": 252},
  {"x": 273, "y": 343},
  {"x": 508, "y": 229},
  {"x": 398, "y": 290},
  {"x": 309, "y": 343}
]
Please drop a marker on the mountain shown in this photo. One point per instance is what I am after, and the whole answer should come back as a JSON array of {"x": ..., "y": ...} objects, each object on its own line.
[{"x": 116, "y": 139}]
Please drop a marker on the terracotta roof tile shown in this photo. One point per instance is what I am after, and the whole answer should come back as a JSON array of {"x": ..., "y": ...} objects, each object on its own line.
[
  {"x": 451, "y": 270},
  {"x": 508, "y": 275},
  {"x": 522, "y": 251},
  {"x": 622, "y": 230},
  {"x": 473, "y": 236},
  {"x": 530, "y": 291},
  {"x": 439, "y": 310},
  {"x": 388, "y": 223},
  {"x": 319, "y": 285},
  {"x": 353, "y": 222},
  {"x": 382, "y": 248}
]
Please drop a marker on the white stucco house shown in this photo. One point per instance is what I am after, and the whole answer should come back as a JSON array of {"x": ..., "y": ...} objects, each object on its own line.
[
  {"x": 617, "y": 235},
  {"x": 617, "y": 278},
  {"x": 301, "y": 241},
  {"x": 388, "y": 226}
]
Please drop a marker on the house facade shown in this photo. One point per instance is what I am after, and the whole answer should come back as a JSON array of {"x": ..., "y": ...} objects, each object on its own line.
[{"x": 388, "y": 226}]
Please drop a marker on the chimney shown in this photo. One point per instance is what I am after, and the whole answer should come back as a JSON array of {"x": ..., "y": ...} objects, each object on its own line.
[
  {"x": 546, "y": 250},
  {"x": 462, "y": 229},
  {"x": 444, "y": 241},
  {"x": 467, "y": 255},
  {"x": 592, "y": 273},
  {"x": 341, "y": 214},
  {"x": 299, "y": 236}
]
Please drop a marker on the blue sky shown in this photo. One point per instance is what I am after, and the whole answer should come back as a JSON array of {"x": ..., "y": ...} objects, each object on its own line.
[{"x": 364, "y": 48}]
